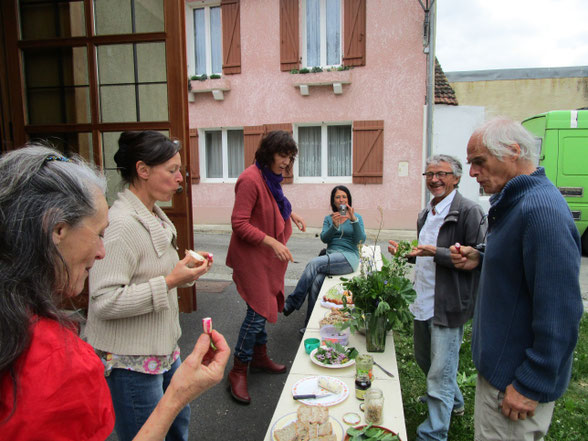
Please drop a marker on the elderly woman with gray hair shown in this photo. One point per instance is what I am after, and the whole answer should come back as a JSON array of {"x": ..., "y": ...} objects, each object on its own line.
[{"x": 52, "y": 219}]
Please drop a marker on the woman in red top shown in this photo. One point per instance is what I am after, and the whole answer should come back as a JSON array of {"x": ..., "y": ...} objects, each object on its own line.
[
  {"x": 52, "y": 218},
  {"x": 258, "y": 253}
]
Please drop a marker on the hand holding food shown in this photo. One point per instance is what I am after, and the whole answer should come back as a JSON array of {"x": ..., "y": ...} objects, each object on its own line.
[{"x": 207, "y": 328}]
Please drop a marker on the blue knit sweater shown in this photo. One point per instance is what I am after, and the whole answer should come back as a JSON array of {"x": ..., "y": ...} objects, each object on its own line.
[
  {"x": 529, "y": 303},
  {"x": 344, "y": 239}
]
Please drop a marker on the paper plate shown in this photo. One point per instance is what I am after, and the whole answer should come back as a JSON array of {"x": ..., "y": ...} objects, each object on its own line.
[
  {"x": 309, "y": 385},
  {"x": 291, "y": 417},
  {"x": 330, "y": 366}
]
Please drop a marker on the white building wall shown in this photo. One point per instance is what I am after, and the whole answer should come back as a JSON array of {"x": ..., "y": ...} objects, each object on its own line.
[{"x": 452, "y": 128}]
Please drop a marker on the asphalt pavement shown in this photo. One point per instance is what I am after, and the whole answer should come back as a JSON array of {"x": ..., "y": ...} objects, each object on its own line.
[{"x": 215, "y": 415}]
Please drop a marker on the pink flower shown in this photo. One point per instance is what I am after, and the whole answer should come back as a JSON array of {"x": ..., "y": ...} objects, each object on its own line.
[{"x": 152, "y": 365}]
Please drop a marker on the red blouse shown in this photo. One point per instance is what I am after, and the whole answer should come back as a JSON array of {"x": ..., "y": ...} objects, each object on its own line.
[{"x": 61, "y": 390}]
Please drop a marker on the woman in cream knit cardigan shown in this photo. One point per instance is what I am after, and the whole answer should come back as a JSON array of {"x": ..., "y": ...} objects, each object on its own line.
[{"x": 133, "y": 320}]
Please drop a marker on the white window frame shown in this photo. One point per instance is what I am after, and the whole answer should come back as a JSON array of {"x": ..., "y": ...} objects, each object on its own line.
[
  {"x": 323, "y": 32},
  {"x": 225, "y": 154},
  {"x": 190, "y": 7},
  {"x": 323, "y": 178}
]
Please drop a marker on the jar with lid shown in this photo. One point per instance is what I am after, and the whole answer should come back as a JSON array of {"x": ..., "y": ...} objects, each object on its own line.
[
  {"x": 362, "y": 384},
  {"x": 373, "y": 406},
  {"x": 364, "y": 364}
]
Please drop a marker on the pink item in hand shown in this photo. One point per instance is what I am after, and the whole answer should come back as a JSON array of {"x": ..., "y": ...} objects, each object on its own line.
[
  {"x": 457, "y": 246},
  {"x": 207, "y": 328}
]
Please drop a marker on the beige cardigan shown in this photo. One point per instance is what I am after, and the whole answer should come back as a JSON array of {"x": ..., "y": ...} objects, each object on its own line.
[{"x": 131, "y": 311}]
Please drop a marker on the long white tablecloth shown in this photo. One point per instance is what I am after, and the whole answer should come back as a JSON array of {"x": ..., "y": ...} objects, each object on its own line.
[{"x": 304, "y": 367}]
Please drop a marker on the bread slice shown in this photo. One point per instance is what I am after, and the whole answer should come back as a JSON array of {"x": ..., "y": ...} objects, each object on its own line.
[
  {"x": 320, "y": 429},
  {"x": 331, "y": 437},
  {"x": 287, "y": 433}
]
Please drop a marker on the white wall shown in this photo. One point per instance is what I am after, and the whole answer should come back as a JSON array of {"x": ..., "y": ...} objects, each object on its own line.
[{"x": 452, "y": 128}]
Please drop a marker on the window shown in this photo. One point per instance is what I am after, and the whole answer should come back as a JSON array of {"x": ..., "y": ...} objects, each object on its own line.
[
  {"x": 204, "y": 40},
  {"x": 223, "y": 154},
  {"x": 324, "y": 153},
  {"x": 321, "y": 32}
]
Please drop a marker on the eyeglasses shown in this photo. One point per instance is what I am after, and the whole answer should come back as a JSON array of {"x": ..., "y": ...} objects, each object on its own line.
[{"x": 440, "y": 175}]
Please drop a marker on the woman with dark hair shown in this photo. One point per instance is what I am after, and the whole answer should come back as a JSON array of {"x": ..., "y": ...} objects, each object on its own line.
[
  {"x": 52, "y": 219},
  {"x": 342, "y": 254},
  {"x": 133, "y": 317},
  {"x": 258, "y": 253}
]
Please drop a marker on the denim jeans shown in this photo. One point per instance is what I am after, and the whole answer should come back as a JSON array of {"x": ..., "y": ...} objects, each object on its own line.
[
  {"x": 252, "y": 333},
  {"x": 436, "y": 350},
  {"x": 312, "y": 278},
  {"x": 135, "y": 395}
]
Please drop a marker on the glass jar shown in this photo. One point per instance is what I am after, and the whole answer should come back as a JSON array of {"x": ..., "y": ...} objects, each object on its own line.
[
  {"x": 364, "y": 364},
  {"x": 362, "y": 385},
  {"x": 373, "y": 406}
]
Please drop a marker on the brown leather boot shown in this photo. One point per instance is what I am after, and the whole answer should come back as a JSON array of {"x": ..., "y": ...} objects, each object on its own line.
[
  {"x": 238, "y": 382},
  {"x": 262, "y": 363}
]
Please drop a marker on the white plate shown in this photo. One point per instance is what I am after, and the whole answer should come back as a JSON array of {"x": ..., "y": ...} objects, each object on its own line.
[
  {"x": 291, "y": 417},
  {"x": 309, "y": 385},
  {"x": 330, "y": 366}
]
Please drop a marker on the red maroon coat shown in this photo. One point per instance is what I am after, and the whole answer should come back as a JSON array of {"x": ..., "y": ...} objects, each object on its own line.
[{"x": 257, "y": 272}]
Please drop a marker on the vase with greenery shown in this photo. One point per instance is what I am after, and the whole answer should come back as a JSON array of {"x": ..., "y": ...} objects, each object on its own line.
[{"x": 381, "y": 297}]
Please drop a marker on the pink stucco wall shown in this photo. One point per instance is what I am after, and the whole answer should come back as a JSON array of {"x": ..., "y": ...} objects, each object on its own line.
[{"x": 391, "y": 87}]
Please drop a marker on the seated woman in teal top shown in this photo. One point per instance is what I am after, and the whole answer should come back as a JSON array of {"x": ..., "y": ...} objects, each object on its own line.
[{"x": 342, "y": 234}]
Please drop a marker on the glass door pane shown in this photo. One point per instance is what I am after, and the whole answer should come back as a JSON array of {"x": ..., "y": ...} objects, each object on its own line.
[
  {"x": 128, "y": 16},
  {"x": 40, "y": 19}
]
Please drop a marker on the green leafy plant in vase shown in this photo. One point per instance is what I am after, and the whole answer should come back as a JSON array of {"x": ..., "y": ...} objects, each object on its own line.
[{"x": 381, "y": 297}]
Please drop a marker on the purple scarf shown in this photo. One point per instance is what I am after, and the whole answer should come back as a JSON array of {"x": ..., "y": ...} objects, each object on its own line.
[{"x": 273, "y": 182}]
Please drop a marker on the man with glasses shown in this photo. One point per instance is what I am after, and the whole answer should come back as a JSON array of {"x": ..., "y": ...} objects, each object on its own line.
[
  {"x": 445, "y": 295},
  {"x": 529, "y": 304}
]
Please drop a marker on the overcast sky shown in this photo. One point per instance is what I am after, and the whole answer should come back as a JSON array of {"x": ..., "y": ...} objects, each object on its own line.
[{"x": 504, "y": 34}]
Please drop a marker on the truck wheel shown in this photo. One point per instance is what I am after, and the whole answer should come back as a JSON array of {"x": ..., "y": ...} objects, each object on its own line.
[{"x": 585, "y": 243}]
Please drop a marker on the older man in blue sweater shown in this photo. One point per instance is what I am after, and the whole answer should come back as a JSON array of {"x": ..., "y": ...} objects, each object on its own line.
[{"x": 529, "y": 303}]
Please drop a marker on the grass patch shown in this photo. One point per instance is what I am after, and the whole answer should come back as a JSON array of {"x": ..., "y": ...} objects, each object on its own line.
[{"x": 569, "y": 422}]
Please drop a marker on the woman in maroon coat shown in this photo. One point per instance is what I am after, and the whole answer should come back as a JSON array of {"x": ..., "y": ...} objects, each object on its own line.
[{"x": 258, "y": 253}]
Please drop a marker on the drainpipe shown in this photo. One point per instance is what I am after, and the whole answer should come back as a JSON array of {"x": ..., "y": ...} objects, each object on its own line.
[{"x": 429, "y": 49}]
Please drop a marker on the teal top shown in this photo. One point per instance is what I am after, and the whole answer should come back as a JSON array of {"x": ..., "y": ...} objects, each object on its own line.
[{"x": 344, "y": 239}]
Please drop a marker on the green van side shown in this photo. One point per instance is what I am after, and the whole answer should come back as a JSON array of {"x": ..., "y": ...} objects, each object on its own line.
[{"x": 564, "y": 155}]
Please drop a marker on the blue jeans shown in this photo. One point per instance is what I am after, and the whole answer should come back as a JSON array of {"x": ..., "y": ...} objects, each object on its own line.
[
  {"x": 252, "y": 333},
  {"x": 436, "y": 350},
  {"x": 135, "y": 395},
  {"x": 312, "y": 278}
]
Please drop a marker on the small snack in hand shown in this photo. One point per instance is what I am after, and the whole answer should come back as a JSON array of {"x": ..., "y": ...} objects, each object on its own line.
[
  {"x": 197, "y": 259},
  {"x": 457, "y": 246},
  {"x": 207, "y": 328}
]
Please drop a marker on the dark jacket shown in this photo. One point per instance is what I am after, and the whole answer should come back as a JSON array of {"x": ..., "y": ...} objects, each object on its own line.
[
  {"x": 529, "y": 306},
  {"x": 455, "y": 290}
]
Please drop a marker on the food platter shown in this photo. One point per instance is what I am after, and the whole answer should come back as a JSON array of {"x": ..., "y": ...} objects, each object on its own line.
[
  {"x": 329, "y": 366},
  {"x": 347, "y": 437},
  {"x": 309, "y": 385},
  {"x": 292, "y": 416},
  {"x": 335, "y": 290}
]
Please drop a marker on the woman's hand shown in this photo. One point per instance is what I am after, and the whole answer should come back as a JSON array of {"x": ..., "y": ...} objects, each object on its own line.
[
  {"x": 201, "y": 370},
  {"x": 184, "y": 273},
  {"x": 282, "y": 252},
  {"x": 338, "y": 219},
  {"x": 298, "y": 221},
  {"x": 393, "y": 249},
  {"x": 351, "y": 214}
]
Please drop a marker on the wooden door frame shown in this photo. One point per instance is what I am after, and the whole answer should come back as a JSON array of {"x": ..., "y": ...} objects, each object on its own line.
[{"x": 177, "y": 85}]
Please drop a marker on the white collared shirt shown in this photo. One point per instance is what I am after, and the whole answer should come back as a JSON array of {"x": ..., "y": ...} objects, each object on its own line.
[{"x": 423, "y": 307}]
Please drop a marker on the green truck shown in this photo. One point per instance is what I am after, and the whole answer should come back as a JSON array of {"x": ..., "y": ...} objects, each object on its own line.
[{"x": 563, "y": 135}]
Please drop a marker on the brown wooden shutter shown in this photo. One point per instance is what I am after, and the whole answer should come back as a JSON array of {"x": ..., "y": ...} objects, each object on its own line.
[
  {"x": 231, "y": 26},
  {"x": 251, "y": 137},
  {"x": 289, "y": 39},
  {"x": 194, "y": 163},
  {"x": 368, "y": 152},
  {"x": 354, "y": 30},
  {"x": 287, "y": 127}
]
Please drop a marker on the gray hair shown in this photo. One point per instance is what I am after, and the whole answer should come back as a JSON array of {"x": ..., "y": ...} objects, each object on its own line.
[
  {"x": 499, "y": 133},
  {"x": 455, "y": 164},
  {"x": 39, "y": 189}
]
